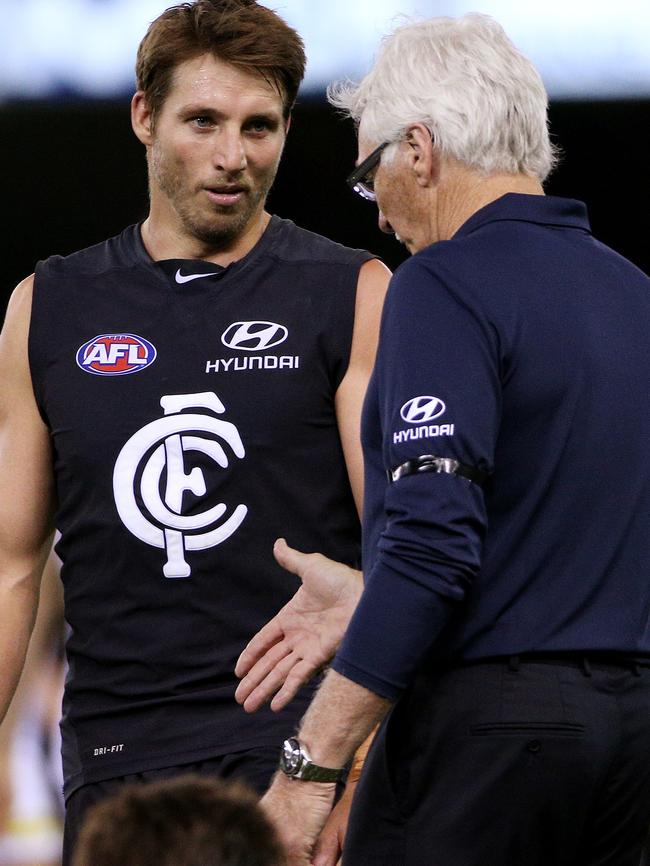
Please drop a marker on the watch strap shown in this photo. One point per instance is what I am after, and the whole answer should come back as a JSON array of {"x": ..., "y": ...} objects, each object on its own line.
[{"x": 310, "y": 772}]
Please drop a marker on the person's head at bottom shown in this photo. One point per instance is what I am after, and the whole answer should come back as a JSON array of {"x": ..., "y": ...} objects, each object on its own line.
[{"x": 187, "y": 821}]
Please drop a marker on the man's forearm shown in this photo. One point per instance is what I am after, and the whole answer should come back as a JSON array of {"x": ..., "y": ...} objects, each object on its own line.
[
  {"x": 341, "y": 716},
  {"x": 18, "y": 605}
]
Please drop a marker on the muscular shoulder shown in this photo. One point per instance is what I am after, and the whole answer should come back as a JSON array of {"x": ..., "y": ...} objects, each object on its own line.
[
  {"x": 297, "y": 244},
  {"x": 16, "y": 325},
  {"x": 118, "y": 251},
  {"x": 14, "y": 367}
]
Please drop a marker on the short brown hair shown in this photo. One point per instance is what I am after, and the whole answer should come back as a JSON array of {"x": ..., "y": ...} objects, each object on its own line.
[
  {"x": 187, "y": 821},
  {"x": 240, "y": 32}
]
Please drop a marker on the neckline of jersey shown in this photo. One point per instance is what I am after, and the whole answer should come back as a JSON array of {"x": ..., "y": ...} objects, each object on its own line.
[{"x": 267, "y": 239}]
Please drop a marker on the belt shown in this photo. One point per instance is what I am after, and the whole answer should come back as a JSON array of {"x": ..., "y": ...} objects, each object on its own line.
[{"x": 585, "y": 661}]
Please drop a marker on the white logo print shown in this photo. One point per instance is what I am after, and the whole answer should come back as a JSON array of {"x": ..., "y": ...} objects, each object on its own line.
[
  {"x": 186, "y": 279},
  {"x": 419, "y": 410},
  {"x": 254, "y": 336},
  {"x": 181, "y": 531}
]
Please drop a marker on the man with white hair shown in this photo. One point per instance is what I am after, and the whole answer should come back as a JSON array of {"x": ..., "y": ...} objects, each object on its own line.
[{"x": 503, "y": 634}]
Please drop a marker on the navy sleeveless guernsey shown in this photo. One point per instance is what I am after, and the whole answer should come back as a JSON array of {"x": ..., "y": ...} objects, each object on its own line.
[{"x": 191, "y": 410}]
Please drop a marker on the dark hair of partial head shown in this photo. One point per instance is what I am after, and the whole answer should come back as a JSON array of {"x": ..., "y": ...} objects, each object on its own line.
[
  {"x": 187, "y": 821},
  {"x": 240, "y": 32}
]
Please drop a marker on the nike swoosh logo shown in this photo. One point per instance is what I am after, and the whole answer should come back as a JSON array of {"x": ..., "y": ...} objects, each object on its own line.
[{"x": 182, "y": 279}]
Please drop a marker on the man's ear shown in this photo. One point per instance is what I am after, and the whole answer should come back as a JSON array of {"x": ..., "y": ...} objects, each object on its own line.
[
  {"x": 287, "y": 124},
  {"x": 424, "y": 160},
  {"x": 141, "y": 118}
]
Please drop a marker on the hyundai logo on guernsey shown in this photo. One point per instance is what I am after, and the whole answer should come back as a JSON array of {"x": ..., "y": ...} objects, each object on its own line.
[
  {"x": 421, "y": 410},
  {"x": 249, "y": 337},
  {"x": 254, "y": 336},
  {"x": 116, "y": 354}
]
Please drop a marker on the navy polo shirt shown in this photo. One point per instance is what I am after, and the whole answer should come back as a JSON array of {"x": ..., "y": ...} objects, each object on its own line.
[{"x": 519, "y": 348}]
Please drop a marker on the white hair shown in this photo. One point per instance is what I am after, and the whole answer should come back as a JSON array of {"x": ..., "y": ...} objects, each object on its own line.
[{"x": 483, "y": 102}]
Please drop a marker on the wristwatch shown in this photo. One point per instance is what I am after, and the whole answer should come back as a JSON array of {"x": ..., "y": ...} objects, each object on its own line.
[{"x": 296, "y": 763}]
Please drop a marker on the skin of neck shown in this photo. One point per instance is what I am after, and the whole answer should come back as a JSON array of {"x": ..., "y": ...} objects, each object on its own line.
[
  {"x": 461, "y": 191},
  {"x": 165, "y": 238}
]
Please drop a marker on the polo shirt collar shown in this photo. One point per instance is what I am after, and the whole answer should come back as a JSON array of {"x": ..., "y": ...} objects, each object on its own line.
[{"x": 541, "y": 209}]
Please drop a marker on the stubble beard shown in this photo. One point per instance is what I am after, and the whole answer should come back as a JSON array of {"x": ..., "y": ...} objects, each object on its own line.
[{"x": 223, "y": 225}]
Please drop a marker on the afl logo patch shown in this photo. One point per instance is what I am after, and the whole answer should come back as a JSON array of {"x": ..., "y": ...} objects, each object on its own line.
[
  {"x": 254, "y": 336},
  {"x": 115, "y": 354}
]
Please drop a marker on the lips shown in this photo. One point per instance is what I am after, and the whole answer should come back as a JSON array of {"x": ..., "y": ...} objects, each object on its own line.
[{"x": 226, "y": 195}]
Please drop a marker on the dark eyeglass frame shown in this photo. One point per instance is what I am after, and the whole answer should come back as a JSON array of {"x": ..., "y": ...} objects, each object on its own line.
[{"x": 356, "y": 181}]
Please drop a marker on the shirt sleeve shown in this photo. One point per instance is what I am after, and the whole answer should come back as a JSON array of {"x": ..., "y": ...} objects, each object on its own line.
[{"x": 438, "y": 392}]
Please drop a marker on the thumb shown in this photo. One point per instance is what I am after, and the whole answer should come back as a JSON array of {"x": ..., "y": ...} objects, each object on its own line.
[{"x": 290, "y": 559}]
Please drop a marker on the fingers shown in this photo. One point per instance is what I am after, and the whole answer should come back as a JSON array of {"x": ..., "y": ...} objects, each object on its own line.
[
  {"x": 269, "y": 686},
  {"x": 300, "y": 673},
  {"x": 261, "y": 670},
  {"x": 256, "y": 648},
  {"x": 327, "y": 850},
  {"x": 280, "y": 669},
  {"x": 286, "y": 677}
]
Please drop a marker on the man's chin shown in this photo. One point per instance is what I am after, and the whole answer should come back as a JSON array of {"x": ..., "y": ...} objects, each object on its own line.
[{"x": 229, "y": 226}]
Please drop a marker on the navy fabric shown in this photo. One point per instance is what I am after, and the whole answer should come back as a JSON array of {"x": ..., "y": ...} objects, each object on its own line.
[
  {"x": 536, "y": 764},
  {"x": 519, "y": 347},
  {"x": 193, "y": 422}
]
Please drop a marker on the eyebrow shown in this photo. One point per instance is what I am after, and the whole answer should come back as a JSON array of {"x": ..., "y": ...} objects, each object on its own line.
[
  {"x": 270, "y": 117},
  {"x": 200, "y": 108}
]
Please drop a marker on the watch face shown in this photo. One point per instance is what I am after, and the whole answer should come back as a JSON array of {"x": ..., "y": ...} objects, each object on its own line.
[{"x": 291, "y": 757}]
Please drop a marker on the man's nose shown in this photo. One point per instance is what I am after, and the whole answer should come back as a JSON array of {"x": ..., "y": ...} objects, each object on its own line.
[
  {"x": 384, "y": 225},
  {"x": 229, "y": 153}
]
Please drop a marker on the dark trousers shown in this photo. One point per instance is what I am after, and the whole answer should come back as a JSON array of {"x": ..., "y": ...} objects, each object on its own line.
[
  {"x": 514, "y": 763},
  {"x": 255, "y": 767}
]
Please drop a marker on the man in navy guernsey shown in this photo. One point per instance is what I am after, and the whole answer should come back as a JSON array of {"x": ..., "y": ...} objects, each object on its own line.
[
  {"x": 503, "y": 635},
  {"x": 173, "y": 400}
]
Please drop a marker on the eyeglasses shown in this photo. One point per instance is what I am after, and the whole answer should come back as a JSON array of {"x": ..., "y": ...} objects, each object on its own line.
[{"x": 359, "y": 180}]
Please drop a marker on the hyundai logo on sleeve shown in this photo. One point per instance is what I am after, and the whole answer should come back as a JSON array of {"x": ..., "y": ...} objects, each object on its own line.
[
  {"x": 254, "y": 336},
  {"x": 419, "y": 410}
]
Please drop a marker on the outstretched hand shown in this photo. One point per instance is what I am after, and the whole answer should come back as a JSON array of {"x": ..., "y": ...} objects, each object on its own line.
[{"x": 304, "y": 635}]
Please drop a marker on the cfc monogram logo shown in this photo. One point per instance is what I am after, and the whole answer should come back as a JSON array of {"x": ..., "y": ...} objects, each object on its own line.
[{"x": 161, "y": 447}]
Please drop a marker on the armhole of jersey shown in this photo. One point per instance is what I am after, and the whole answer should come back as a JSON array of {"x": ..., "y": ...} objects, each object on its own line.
[
  {"x": 33, "y": 342},
  {"x": 346, "y": 341}
]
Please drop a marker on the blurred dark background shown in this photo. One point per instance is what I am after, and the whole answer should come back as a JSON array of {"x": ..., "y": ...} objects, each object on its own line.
[{"x": 75, "y": 174}]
